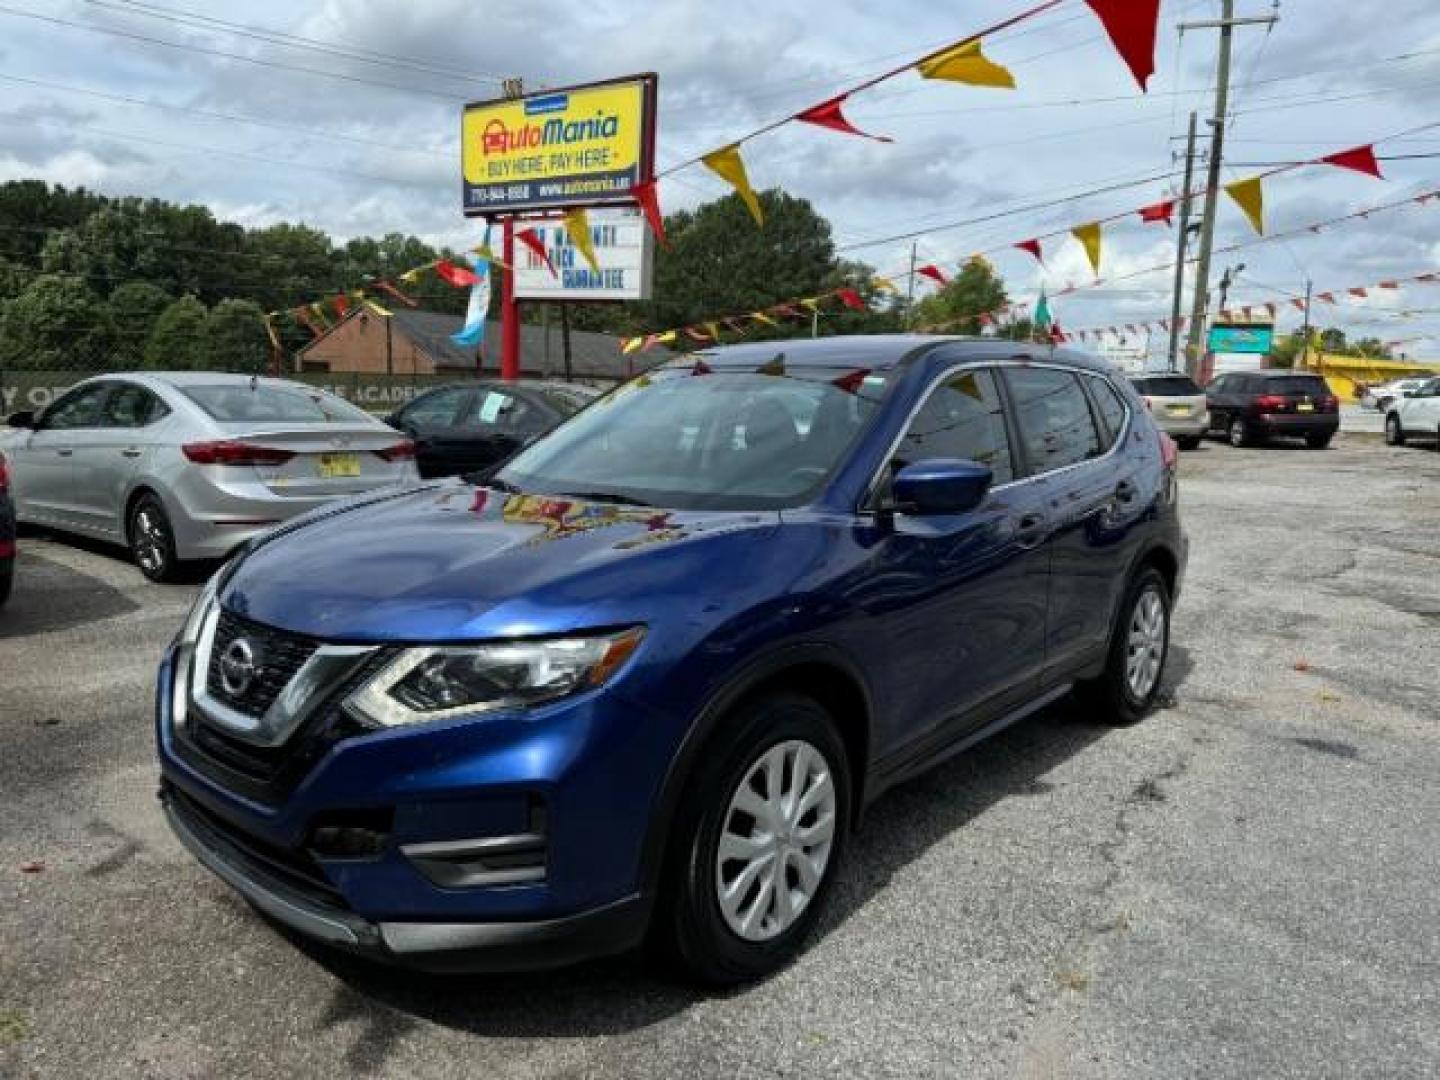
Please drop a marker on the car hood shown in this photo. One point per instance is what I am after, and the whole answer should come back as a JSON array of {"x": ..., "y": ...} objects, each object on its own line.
[{"x": 455, "y": 562}]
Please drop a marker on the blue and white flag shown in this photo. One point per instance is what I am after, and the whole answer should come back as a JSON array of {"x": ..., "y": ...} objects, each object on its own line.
[{"x": 478, "y": 310}]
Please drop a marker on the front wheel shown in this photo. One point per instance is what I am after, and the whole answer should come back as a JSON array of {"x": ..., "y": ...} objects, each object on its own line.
[
  {"x": 152, "y": 540},
  {"x": 7, "y": 578},
  {"x": 1140, "y": 645},
  {"x": 1394, "y": 432},
  {"x": 757, "y": 843},
  {"x": 1240, "y": 433},
  {"x": 1318, "y": 442},
  {"x": 1188, "y": 442}
]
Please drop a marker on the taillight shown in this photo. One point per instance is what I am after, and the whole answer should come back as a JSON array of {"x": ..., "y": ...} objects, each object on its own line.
[
  {"x": 230, "y": 452},
  {"x": 4, "y": 474},
  {"x": 401, "y": 451},
  {"x": 1272, "y": 403},
  {"x": 1330, "y": 404}
]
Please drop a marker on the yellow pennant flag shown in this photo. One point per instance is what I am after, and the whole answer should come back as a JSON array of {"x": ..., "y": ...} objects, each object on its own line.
[
  {"x": 1250, "y": 198},
  {"x": 383, "y": 312},
  {"x": 483, "y": 251},
  {"x": 577, "y": 228},
  {"x": 812, "y": 303},
  {"x": 1089, "y": 237},
  {"x": 667, "y": 338},
  {"x": 410, "y": 277},
  {"x": 714, "y": 330},
  {"x": 965, "y": 63},
  {"x": 884, "y": 283},
  {"x": 727, "y": 164},
  {"x": 270, "y": 329},
  {"x": 760, "y": 316},
  {"x": 631, "y": 344}
]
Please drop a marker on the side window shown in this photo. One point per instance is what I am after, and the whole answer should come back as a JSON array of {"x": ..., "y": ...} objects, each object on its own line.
[
  {"x": 1221, "y": 385},
  {"x": 495, "y": 409},
  {"x": 962, "y": 418},
  {"x": 1056, "y": 427},
  {"x": 434, "y": 410},
  {"x": 77, "y": 409},
  {"x": 1112, "y": 408},
  {"x": 133, "y": 406}
]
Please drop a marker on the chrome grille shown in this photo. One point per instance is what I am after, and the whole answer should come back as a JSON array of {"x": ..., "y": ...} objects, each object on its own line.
[{"x": 279, "y": 655}]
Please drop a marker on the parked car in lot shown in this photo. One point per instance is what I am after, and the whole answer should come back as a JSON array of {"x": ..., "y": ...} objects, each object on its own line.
[
  {"x": 190, "y": 465},
  {"x": 1250, "y": 407},
  {"x": 1415, "y": 415},
  {"x": 7, "y": 533},
  {"x": 1381, "y": 397},
  {"x": 643, "y": 679},
  {"x": 468, "y": 427},
  {"x": 1177, "y": 404}
]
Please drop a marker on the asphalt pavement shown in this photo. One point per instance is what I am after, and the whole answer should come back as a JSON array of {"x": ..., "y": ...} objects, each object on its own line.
[{"x": 1244, "y": 885}]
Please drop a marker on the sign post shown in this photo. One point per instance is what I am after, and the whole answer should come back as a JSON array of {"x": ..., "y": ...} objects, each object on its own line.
[{"x": 555, "y": 150}]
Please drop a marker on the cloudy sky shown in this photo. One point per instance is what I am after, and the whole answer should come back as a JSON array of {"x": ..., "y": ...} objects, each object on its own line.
[{"x": 345, "y": 114}]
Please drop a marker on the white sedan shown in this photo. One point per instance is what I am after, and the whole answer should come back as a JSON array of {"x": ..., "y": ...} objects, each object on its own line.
[
  {"x": 1379, "y": 397},
  {"x": 1415, "y": 415}
]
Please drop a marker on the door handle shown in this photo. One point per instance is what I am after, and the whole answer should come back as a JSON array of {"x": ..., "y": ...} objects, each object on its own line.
[
  {"x": 64, "y": 452},
  {"x": 131, "y": 451},
  {"x": 1125, "y": 492},
  {"x": 1029, "y": 531}
]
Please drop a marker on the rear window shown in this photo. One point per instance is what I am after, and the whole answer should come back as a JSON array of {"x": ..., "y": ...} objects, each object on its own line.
[
  {"x": 241, "y": 403},
  {"x": 1296, "y": 384},
  {"x": 1167, "y": 386}
]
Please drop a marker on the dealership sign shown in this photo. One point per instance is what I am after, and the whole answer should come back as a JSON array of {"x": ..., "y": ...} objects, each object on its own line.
[
  {"x": 1246, "y": 338},
  {"x": 624, "y": 254},
  {"x": 581, "y": 146}
]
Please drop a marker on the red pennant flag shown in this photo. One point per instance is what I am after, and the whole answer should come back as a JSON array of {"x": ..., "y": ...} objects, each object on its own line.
[
  {"x": 851, "y": 299},
  {"x": 790, "y": 311},
  {"x": 934, "y": 273},
  {"x": 1389, "y": 284},
  {"x": 985, "y": 319},
  {"x": 1160, "y": 211},
  {"x": 1033, "y": 247},
  {"x": 531, "y": 239},
  {"x": 851, "y": 381},
  {"x": 696, "y": 335},
  {"x": 1358, "y": 292},
  {"x": 396, "y": 293},
  {"x": 1057, "y": 336},
  {"x": 1361, "y": 159},
  {"x": 455, "y": 275},
  {"x": 701, "y": 368},
  {"x": 1299, "y": 305},
  {"x": 1131, "y": 25},
  {"x": 828, "y": 114},
  {"x": 342, "y": 305},
  {"x": 649, "y": 199},
  {"x": 1328, "y": 297}
]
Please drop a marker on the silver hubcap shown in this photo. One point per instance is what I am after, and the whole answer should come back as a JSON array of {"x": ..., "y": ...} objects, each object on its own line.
[
  {"x": 1145, "y": 647},
  {"x": 149, "y": 541},
  {"x": 1237, "y": 433},
  {"x": 775, "y": 840}
]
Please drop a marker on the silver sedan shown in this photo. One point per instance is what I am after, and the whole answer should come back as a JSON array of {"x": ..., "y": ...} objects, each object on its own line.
[{"x": 191, "y": 465}]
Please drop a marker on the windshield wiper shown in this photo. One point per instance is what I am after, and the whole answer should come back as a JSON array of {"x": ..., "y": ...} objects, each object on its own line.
[{"x": 603, "y": 496}]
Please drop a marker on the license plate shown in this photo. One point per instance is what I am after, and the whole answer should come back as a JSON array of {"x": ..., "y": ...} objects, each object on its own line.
[
  {"x": 1305, "y": 406},
  {"x": 1178, "y": 410},
  {"x": 331, "y": 466}
]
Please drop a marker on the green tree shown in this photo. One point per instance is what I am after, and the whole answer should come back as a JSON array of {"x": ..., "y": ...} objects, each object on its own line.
[
  {"x": 235, "y": 338},
  {"x": 178, "y": 341},
  {"x": 56, "y": 322},
  {"x": 976, "y": 289},
  {"x": 135, "y": 307},
  {"x": 13, "y": 279}
]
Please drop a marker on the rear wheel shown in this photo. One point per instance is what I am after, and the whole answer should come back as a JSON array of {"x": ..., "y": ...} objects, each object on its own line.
[
  {"x": 152, "y": 540},
  {"x": 7, "y": 578},
  {"x": 757, "y": 843},
  {"x": 1187, "y": 442},
  {"x": 1394, "y": 432},
  {"x": 1240, "y": 433},
  {"x": 1139, "y": 647},
  {"x": 1318, "y": 442}
]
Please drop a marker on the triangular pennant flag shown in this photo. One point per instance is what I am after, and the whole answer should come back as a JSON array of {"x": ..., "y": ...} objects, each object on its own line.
[
  {"x": 1089, "y": 237},
  {"x": 318, "y": 311},
  {"x": 787, "y": 310},
  {"x": 1160, "y": 211},
  {"x": 1042, "y": 310},
  {"x": 303, "y": 316},
  {"x": 531, "y": 239},
  {"x": 383, "y": 312},
  {"x": 410, "y": 277},
  {"x": 1328, "y": 297},
  {"x": 965, "y": 63},
  {"x": 648, "y": 199},
  {"x": 1389, "y": 284},
  {"x": 934, "y": 273},
  {"x": 393, "y": 291},
  {"x": 985, "y": 319},
  {"x": 630, "y": 345},
  {"x": 1131, "y": 25},
  {"x": 1033, "y": 247},
  {"x": 695, "y": 335},
  {"x": 667, "y": 338},
  {"x": 648, "y": 343},
  {"x": 342, "y": 305},
  {"x": 270, "y": 330},
  {"x": 577, "y": 228},
  {"x": 1298, "y": 304},
  {"x": 773, "y": 366},
  {"x": 884, "y": 283},
  {"x": 484, "y": 251},
  {"x": 1360, "y": 158},
  {"x": 851, "y": 381},
  {"x": 761, "y": 317},
  {"x": 458, "y": 276},
  {"x": 1361, "y": 293},
  {"x": 851, "y": 299},
  {"x": 1249, "y": 196},
  {"x": 1427, "y": 277},
  {"x": 727, "y": 164},
  {"x": 713, "y": 329},
  {"x": 702, "y": 368},
  {"x": 812, "y": 303},
  {"x": 828, "y": 114}
]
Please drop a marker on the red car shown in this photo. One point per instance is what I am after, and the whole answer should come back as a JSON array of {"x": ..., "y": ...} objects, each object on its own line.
[{"x": 7, "y": 532}]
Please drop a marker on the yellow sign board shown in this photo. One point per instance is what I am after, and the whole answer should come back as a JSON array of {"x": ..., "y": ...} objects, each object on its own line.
[{"x": 581, "y": 146}]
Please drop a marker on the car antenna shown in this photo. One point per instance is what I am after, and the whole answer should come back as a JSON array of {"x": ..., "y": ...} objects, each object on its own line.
[{"x": 254, "y": 381}]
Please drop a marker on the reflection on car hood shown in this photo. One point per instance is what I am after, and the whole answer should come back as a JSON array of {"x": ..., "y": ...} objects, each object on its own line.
[{"x": 455, "y": 562}]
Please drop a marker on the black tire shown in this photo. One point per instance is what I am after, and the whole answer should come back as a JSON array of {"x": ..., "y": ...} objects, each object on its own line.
[
  {"x": 7, "y": 579},
  {"x": 1394, "y": 431},
  {"x": 1239, "y": 433},
  {"x": 152, "y": 539},
  {"x": 690, "y": 930},
  {"x": 1111, "y": 695},
  {"x": 1318, "y": 442},
  {"x": 1188, "y": 442}
]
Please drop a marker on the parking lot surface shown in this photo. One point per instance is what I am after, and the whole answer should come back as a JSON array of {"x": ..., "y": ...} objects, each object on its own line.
[{"x": 1244, "y": 885}]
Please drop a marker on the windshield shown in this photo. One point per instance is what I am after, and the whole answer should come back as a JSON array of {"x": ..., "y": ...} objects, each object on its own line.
[
  {"x": 701, "y": 439},
  {"x": 1313, "y": 385},
  {"x": 1167, "y": 386},
  {"x": 268, "y": 403}
]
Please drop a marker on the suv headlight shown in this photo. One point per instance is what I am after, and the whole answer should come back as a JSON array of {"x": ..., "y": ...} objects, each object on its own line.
[{"x": 435, "y": 683}]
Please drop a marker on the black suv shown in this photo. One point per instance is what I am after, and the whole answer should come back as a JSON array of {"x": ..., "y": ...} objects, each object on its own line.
[{"x": 1250, "y": 407}]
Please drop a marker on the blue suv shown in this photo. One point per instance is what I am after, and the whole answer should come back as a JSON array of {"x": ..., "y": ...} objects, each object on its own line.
[{"x": 640, "y": 682}]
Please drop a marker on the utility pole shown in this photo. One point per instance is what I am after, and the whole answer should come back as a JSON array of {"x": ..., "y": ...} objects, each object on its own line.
[
  {"x": 1226, "y": 24},
  {"x": 565, "y": 339},
  {"x": 910, "y": 288},
  {"x": 1180, "y": 243},
  {"x": 1305, "y": 330}
]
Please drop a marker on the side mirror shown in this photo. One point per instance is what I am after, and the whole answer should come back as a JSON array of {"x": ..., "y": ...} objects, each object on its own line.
[
  {"x": 941, "y": 486},
  {"x": 23, "y": 419}
]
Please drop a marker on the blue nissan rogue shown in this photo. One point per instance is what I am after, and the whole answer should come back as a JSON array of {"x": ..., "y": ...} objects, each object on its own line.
[{"x": 639, "y": 683}]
